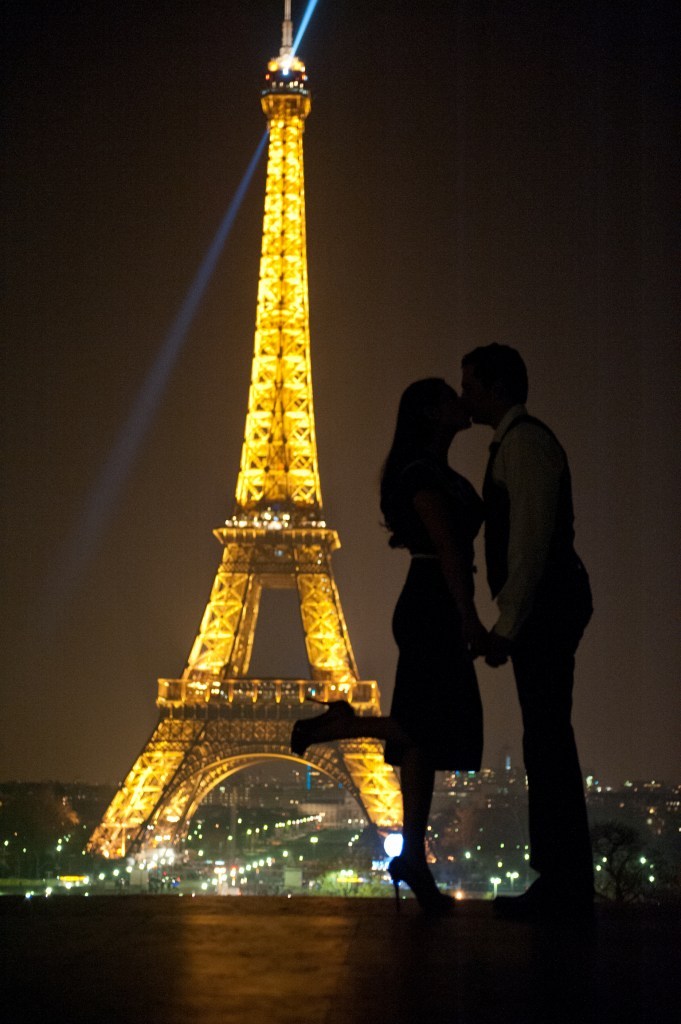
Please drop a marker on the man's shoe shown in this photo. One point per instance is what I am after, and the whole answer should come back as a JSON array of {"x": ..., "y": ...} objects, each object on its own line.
[{"x": 542, "y": 902}]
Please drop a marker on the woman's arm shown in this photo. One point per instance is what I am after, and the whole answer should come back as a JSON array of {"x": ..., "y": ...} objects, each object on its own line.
[{"x": 432, "y": 511}]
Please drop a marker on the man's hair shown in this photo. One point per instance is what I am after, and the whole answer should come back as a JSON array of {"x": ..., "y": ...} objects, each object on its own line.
[{"x": 501, "y": 365}]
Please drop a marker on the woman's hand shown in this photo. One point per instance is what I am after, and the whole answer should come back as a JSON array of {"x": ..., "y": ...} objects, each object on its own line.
[{"x": 432, "y": 510}]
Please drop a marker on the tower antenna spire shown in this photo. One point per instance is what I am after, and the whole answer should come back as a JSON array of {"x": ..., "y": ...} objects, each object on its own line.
[{"x": 286, "y": 31}]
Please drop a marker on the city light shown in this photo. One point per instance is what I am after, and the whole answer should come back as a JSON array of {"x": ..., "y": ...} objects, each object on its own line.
[
  {"x": 327, "y": 852},
  {"x": 392, "y": 844}
]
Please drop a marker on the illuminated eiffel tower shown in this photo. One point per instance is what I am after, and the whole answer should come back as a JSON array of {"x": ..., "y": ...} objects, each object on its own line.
[{"x": 216, "y": 719}]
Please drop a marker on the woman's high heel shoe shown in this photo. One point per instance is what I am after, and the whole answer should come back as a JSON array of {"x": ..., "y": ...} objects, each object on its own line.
[
  {"x": 423, "y": 886},
  {"x": 307, "y": 731}
]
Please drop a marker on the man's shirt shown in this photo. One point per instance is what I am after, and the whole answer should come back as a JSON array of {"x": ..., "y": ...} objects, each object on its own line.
[{"x": 528, "y": 464}]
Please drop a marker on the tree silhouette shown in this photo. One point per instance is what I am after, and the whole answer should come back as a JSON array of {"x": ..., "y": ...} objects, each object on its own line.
[
  {"x": 31, "y": 823},
  {"x": 622, "y": 866}
]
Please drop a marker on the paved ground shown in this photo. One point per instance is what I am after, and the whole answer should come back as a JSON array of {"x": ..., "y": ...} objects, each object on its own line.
[{"x": 272, "y": 960}]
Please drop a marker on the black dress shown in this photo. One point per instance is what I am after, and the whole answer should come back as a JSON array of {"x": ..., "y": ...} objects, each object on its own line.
[{"x": 436, "y": 698}]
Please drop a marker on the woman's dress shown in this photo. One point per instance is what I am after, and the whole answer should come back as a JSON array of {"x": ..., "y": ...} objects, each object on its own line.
[{"x": 436, "y": 698}]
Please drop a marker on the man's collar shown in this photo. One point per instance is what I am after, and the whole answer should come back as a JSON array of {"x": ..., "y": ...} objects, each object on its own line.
[{"x": 513, "y": 413}]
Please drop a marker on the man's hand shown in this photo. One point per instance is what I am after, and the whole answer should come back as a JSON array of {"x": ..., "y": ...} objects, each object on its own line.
[
  {"x": 474, "y": 635},
  {"x": 497, "y": 649}
]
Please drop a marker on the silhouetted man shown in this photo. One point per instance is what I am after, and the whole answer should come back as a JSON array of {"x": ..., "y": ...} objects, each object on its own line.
[{"x": 544, "y": 601}]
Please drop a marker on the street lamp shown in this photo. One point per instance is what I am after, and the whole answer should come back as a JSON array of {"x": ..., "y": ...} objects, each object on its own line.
[{"x": 496, "y": 882}]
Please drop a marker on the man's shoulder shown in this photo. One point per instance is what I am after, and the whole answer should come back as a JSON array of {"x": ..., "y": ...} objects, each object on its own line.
[
  {"x": 527, "y": 427},
  {"x": 530, "y": 440}
]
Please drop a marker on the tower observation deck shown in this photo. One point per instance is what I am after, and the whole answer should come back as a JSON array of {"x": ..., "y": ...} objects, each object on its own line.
[{"x": 216, "y": 719}]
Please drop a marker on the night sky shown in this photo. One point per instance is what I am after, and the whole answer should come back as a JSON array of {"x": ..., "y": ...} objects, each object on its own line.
[{"x": 475, "y": 171}]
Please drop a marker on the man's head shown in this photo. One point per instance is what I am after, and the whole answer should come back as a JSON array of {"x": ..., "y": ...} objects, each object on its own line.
[{"x": 494, "y": 378}]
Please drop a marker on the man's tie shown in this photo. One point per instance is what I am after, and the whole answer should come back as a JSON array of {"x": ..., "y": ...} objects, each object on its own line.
[{"x": 493, "y": 449}]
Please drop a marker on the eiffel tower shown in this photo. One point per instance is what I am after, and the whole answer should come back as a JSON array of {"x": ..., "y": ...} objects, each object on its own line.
[{"x": 216, "y": 719}]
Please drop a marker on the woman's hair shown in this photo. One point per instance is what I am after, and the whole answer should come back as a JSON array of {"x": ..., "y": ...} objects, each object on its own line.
[{"x": 413, "y": 432}]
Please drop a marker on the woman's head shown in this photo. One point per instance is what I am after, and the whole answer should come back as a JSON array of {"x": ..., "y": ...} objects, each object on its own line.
[
  {"x": 429, "y": 411},
  {"x": 429, "y": 415}
]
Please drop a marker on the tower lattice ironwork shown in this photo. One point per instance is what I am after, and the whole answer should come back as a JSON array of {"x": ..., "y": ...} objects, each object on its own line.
[{"x": 216, "y": 719}]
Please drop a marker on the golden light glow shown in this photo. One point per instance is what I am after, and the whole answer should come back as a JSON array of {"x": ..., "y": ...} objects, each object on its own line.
[{"x": 216, "y": 720}]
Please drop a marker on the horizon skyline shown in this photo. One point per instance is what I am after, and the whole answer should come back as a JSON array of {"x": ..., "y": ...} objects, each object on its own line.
[{"x": 625, "y": 782}]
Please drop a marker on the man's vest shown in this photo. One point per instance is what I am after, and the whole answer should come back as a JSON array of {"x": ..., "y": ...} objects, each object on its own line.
[{"x": 561, "y": 559}]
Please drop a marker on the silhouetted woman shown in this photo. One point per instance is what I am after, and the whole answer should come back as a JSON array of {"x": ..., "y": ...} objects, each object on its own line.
[{"x": 435, "y": 721}]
